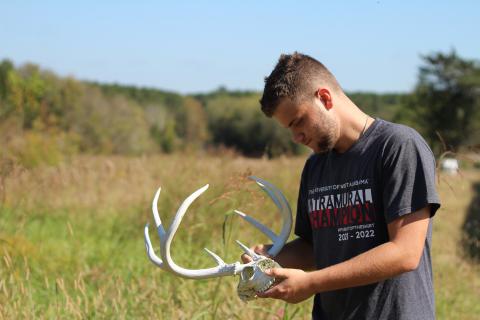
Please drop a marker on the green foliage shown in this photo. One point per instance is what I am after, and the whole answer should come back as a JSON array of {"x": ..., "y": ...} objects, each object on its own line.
[
  {"x": 111, "y": 125},
  {"x": 194, "y": 119},
  {"x": 39, "y": 111},
  {"x": 384, "y": 106},
  {"x": 236, "y": 121},
  {"x": 143, "y": 96},
  {"x": 116, "y": 119},
  {"x": 10, "y": 91},
  {"x": 111, "y": 118},
  {"x": 176, "y": 122},
  {"x": 165, "y": 137},
  {"x": 33, "y": 88},
  {"x": 6, "y": 67},
  {"x": 445, "y": 103}
]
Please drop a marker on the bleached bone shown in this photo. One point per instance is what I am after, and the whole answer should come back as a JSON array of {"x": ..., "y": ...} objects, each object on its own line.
[
  {"x": 254, "y": 280},
  {"x": 222, "y": 269}
]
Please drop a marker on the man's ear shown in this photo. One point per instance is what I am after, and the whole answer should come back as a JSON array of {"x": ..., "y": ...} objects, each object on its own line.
[{"x": 325, "y": 97}]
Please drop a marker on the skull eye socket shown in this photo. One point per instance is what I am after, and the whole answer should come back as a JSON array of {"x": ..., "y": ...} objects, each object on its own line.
[{"x": 247, "y": 273}]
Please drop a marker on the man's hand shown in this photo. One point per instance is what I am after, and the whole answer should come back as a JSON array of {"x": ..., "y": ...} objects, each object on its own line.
[{"x": 293, "y": 285}]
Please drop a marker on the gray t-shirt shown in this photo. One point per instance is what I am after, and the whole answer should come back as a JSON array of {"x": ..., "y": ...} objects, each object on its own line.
[{"x": 345, "y": 203}]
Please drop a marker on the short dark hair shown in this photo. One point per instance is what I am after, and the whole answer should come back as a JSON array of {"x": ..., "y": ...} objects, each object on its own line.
[{"x": 296, "y": 76}]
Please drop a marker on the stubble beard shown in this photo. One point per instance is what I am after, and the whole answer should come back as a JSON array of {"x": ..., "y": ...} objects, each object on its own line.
[{"x": 328, "y": 137}]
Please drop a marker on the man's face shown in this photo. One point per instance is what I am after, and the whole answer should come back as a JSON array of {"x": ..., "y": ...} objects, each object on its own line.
[{"x": 310, "y": 123}]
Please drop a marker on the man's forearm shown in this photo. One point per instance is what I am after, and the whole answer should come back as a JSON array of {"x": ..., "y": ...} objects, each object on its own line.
[
  {"x": 380, "y": 263},
  {"x": 401, "y": 254},
  {"x": 296, "y": 254}
]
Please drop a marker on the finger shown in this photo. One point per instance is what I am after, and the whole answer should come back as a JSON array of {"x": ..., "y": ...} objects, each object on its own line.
[
  {"x": 258, "y": 249},
  {"x": 262, "y": 249},
  {"x": 273, "y": 293},
  {"x": 246, "y": 258}
]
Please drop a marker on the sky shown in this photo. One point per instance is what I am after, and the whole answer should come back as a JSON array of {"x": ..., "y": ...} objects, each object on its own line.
[{"x": 198, "y": 46}]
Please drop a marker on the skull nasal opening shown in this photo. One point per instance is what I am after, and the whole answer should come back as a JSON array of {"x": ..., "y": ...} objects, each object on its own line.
[{"x": 247, "y": 273}]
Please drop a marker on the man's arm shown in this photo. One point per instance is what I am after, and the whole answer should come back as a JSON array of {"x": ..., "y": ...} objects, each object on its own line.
[{"x": 401, "y": 254}]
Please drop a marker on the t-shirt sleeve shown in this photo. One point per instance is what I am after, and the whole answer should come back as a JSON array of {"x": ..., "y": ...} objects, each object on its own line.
[
  {"x": 303, "y": 228},
  {"x": 408, "y": 176}
]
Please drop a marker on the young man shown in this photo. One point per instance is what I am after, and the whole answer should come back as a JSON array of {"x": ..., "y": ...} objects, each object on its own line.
[{"x": 366, "y": 199}]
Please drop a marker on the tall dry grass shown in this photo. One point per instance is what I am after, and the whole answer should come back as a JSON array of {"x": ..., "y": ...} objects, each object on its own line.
[{"x": 71, "y": 238}]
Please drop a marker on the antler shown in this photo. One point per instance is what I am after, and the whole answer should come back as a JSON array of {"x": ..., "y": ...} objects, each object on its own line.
[
  {"x": 282, "y": 204},
  {"x": 222, "y": 269}
]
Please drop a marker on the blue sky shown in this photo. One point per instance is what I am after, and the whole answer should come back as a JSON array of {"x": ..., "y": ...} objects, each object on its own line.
[{"x": 197, "y": 46}]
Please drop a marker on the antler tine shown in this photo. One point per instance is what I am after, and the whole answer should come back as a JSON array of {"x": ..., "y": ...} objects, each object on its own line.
[
  {"x": 269, "y": 233},
  {"x": 248, "y": 251},
  {"x": 215, "y": 257},
  {"x": 150, "y": 252},
  {"x": 285, "y": 211},
  {"x": 161, "y": 233},
  {"x": 281, "y": 202},
  {"x": 166, "y": 238},
  {"x": 156, "y": 216}
]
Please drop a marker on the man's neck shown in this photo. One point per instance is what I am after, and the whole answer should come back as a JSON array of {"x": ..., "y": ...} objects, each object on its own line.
[{"x": 353, "y": 124}]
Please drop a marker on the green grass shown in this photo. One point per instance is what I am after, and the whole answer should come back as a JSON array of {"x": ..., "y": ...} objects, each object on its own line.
[{"x": 71, "y": 239}]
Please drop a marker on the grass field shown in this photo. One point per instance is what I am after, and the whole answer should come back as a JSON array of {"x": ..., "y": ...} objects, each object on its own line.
[{"x": 71, "y": 238}]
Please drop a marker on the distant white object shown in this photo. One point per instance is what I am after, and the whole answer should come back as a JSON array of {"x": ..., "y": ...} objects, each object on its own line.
[{"x": 450, "y": 165}]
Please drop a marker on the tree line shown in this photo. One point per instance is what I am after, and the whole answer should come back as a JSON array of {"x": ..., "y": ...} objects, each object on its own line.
[{"x": 45, "y": 118}]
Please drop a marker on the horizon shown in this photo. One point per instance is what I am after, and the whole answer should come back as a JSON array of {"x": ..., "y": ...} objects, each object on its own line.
[{"x": 146, "y": 87}]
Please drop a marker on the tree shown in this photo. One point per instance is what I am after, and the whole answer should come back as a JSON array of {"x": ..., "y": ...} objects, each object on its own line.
[
  {"x": 196, "y": 131},
  {"x": 445, "y": 102},
  {"x": 236, "y": 121}
]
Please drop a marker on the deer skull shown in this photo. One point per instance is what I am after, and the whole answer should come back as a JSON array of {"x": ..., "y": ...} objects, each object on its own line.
[{"x": 254, "y": 280}]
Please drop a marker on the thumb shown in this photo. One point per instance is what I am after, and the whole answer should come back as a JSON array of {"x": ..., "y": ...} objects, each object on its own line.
[{"x": 279, "y": 273}]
